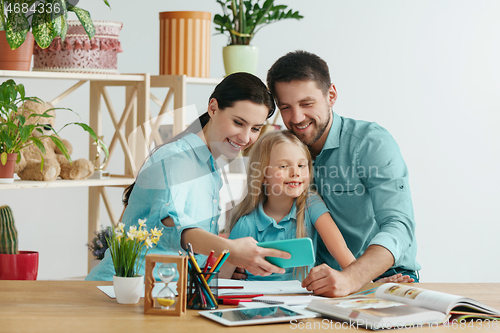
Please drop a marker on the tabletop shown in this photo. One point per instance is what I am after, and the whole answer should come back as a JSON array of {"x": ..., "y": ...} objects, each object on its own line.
[{"x": 79, "y": 306}]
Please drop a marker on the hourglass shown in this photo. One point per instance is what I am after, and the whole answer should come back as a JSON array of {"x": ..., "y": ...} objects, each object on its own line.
[
  {"x": 166, "y": 303},
  {"x": 166, "y": 297}
]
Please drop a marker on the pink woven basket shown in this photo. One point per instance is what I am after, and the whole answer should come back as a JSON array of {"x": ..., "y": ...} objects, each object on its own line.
[{"x": 78, "y": 54}]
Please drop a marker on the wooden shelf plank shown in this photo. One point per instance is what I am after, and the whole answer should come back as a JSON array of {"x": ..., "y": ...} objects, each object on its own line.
[
  {"x": 25, "y": 184},
  {"x": 72, "y": 76},
  {"x": 158, "y": 81}
]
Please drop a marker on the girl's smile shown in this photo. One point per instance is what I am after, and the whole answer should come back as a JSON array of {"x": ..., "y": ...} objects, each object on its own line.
[{"x": 287, "y": 175}]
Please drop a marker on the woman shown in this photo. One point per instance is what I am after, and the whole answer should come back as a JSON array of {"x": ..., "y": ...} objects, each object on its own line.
[{"x": 177, "y": 188}]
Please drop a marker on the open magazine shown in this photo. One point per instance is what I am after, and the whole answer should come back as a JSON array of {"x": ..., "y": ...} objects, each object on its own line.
[{"x": 398, "y": 306}]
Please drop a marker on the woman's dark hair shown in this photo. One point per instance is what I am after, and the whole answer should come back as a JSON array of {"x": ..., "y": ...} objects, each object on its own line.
[
  {"x": 299, "y": 66},
  {"x": 233, "y": 88}
]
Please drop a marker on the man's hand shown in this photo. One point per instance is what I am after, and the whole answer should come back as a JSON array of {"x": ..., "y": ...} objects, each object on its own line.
[
  {"x": 325, "y": 281},
  {"x": 396, "y": 278}
]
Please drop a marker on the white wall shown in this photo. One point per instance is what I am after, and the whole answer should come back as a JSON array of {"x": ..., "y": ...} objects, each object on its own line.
[{"x": 426, "y": 70}]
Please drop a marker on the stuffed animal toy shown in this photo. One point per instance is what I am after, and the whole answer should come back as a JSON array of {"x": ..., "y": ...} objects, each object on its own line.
[{"x": 55, "y": 164}]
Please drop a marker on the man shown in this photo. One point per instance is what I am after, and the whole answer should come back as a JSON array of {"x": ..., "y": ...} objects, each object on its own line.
[{"x": 359, "y": 172}]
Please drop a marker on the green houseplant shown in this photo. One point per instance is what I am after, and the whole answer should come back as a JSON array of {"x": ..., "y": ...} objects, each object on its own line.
[
  {"x": 16, "y": 132},
  {"x": 46, "y": 18},
  {"x": 241, "y": 20}
]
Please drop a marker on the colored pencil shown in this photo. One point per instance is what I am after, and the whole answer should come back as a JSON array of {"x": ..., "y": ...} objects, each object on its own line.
[{"x": 208, "y": 261}]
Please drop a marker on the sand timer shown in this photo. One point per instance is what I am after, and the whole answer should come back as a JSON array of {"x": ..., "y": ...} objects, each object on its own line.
[{"x": 166, "y": 297}]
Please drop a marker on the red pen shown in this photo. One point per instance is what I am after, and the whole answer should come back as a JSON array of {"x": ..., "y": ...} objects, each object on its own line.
[{"x": 234, "y": 301}]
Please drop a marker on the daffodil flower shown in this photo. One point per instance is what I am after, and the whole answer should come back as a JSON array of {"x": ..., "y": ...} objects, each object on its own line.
[
  {"x": 127, "y": 247},
  {"x": 155, "y": 232}
]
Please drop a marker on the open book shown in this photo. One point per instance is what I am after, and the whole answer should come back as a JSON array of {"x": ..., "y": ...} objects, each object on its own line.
[{"x": 398, "y": 306}]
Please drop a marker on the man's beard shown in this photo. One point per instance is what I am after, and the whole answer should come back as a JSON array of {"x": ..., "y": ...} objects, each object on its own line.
[{"x": 320, "y": 129}]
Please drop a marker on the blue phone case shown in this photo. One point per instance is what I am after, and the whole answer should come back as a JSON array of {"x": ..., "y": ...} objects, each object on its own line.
[{"x": 301, "y": 249}]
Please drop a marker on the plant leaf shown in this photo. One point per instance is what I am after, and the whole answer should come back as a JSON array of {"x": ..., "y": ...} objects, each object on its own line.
[
  {"x": 58, "y": 17},
  {"x": 17, "y": 28},
  {"x": 64, "y": 28},
  {"x": 86, "y": 128},
  {"x": 43, "y": 30},
  {"x": 36, "y": 141},
  {"x": 3, "y": 158},
  {"x": 61, "y": 146},
  {"x": 85, "y": 20}
]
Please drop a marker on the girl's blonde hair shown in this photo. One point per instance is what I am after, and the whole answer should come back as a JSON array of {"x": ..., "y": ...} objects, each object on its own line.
[{"x": 259, "y": 157}]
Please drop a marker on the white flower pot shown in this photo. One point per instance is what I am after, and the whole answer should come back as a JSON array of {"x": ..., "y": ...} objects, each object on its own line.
[
  {"x": 128, "y": 290},
  {"x": 240, "y": 58}
]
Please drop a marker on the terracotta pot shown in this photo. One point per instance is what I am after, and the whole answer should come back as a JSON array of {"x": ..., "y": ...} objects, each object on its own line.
[
  {"x": 7, "y": 170},
  {"x": 185, "y": 43},
  {"x": 18, "y": 59},
  {"x": 128, "y": 290},
  {"x": 22, "y": 266}
]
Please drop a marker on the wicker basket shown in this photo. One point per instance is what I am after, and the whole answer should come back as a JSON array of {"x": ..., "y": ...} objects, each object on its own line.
[{"x": 78, "y": 54}]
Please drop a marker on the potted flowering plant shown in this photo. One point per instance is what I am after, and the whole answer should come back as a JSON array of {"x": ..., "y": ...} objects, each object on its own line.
[
  {"x": 241, "y": 20},
  {"x": 126, "y": 250},
  {"x": 99, "y": 245}
]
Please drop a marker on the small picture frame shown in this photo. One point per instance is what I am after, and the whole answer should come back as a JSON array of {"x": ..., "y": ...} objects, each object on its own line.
[{"x": 149, "y": 301}]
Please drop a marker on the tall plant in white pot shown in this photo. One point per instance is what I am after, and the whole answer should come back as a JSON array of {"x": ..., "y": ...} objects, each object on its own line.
[{"x": 241, "y": 20}]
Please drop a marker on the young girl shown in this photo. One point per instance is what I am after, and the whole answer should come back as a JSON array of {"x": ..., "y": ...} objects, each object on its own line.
[{"x": 280, "y": 205}]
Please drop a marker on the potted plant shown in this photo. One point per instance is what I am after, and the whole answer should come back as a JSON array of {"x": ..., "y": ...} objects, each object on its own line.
[
  {"x": 16, "y": 133},
  {"x": 241, "y": 20},
  {"x": 46, "y": 19},
  {"x": 14, "y": 264},
  {"x": 126, "y": 250},
  {"x": 99, "y": 245}
]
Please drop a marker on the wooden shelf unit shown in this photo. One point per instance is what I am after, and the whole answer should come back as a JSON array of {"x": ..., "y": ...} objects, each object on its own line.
[
  {"x": 137, "y": 95},
  {"x": 134, "y": 119}
]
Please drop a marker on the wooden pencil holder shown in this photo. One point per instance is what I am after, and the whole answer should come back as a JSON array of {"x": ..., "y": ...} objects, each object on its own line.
[{"x": 149, "y": 301}]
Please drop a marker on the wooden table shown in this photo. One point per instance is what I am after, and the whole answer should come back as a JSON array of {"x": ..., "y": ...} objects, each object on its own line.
[{"x": 78, "y": 306}]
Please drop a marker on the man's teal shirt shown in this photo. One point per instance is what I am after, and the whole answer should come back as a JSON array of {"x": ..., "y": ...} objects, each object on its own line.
[{"x": 363, "y": 180}]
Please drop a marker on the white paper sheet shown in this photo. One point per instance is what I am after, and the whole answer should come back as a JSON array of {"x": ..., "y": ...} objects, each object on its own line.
[{"x": 249, "y": 287}]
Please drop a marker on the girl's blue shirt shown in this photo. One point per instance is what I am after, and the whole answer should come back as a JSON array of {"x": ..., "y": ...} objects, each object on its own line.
[
  {"x": 180, "y": 180},
  {"x": 264, "y": 228}
]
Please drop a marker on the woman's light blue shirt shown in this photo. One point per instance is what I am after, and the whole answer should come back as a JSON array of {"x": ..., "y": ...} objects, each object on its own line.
[
  {"x": 264, "y": 228},
  {"x": 180, "y": 180}
]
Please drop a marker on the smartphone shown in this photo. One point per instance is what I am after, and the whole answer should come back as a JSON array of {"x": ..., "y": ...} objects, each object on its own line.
[{"x": 301, "y": 249}]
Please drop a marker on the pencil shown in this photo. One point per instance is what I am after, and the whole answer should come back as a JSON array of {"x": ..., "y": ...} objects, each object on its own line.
[
  {"x": 208, "y": 261},
  {"x": 219, "y": 265},
  {"x": 217, "y": 262}
]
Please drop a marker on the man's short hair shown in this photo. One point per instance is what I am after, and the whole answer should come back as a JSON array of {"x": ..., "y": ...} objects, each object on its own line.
[{"x": 299, "y": 66}]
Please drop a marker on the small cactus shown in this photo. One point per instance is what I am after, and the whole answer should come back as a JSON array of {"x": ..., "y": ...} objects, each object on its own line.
[{"x": 8, "y": 231}]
